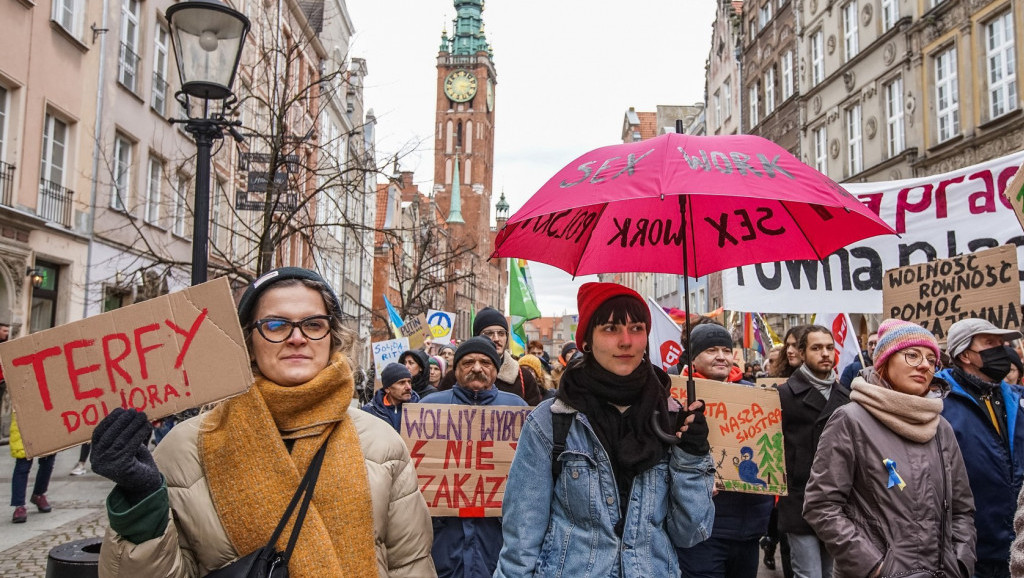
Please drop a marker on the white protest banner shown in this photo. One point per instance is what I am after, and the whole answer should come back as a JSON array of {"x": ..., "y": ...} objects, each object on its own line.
[
  {"x": 462, "y": 454},
  {"x": 161, "y": 356},
  {"x": 385, "y": 352},
  {"x": 442, "y": 326},
  {"x": 936, "y": 217},
  {"x": 664, "y": 340},
  {"x": 847, "y": 348}
]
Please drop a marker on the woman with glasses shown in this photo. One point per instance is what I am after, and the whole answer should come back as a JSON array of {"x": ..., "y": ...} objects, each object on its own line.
[
  {"x": 217, "y": 486},
  {"x": 888, "y": 492}
]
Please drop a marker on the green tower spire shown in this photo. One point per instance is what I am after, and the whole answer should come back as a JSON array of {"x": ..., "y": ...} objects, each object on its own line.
[
  {"x": 455, "y": 210},
  {"x": 468, "y": 34}
]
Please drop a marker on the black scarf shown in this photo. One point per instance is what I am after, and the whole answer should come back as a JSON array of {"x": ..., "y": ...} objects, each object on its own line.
[{"x": 627, "y": 436}]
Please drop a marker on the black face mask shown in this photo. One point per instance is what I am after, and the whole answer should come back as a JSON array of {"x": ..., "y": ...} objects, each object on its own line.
[{"x": 995, "y": 363}]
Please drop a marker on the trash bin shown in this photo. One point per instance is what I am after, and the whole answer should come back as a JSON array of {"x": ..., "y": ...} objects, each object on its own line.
[{"x": 78, "y": 559}]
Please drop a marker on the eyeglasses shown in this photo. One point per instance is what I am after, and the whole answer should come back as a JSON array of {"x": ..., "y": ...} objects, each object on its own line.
[
  {"x": 915, "y": 359},
  {"x": 872, "y": 343},
  {"x": 314, "y": 327},
  {"x": 495, "y": 333}
]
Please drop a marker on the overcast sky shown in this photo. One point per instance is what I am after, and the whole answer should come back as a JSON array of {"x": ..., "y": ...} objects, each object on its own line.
[{"x": 567, "y": 71}]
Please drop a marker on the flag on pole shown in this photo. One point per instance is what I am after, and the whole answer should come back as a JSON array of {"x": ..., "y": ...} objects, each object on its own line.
[
  {"x": 772, "y": 336},
  {"x": 393, "y": 317},
  {"x": 663, "y": 344},
  {"x": 847, "y": 348},
  {"x": 522, "y": 305}
]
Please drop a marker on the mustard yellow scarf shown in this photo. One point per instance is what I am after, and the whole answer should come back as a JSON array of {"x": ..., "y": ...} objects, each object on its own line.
[{"x": 252, "y": 476}]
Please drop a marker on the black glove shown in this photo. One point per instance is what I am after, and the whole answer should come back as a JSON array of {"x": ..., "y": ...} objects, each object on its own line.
[
  {"x": 694, "y": 440},
  {"x": 120, "y": 453}
]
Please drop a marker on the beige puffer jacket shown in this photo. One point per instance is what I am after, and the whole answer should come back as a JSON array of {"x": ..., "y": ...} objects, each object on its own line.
[{"x": 195, "y": 542}]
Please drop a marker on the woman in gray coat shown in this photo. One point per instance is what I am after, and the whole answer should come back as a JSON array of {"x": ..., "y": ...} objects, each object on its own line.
[{"x": 888, "y": 492}]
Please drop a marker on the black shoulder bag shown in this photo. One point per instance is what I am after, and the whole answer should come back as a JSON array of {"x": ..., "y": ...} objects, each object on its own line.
[{"x": 267, "y": 562}]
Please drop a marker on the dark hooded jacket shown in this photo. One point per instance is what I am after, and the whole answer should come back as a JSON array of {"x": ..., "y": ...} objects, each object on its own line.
[
  {"x": 421, "y": 381},
  {"x": 389, "y": 413}
]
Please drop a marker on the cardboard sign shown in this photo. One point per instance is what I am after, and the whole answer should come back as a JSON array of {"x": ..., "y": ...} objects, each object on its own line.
[
  {"x": 462, "y": 454},
  {"x": 442, "y": 326},
  {"x": 416, "y": 330},
  {"x": 939, "y": 293},
  {"x": 160, "y": 356},
  {"x": 1014, "y": 192},
  {"x": 771, "y": 381},
  {"x": 387, "y": 352},
  {"x": 745, "y": 424}
]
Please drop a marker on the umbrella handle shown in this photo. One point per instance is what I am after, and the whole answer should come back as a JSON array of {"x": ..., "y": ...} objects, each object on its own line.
[{"x": 660, "y": 433}]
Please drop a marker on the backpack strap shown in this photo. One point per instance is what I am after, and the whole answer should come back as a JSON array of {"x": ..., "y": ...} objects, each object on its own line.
[{"x": 560, "y": 424}]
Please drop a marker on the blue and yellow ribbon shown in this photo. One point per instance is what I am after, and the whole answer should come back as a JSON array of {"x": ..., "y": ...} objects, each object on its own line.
[{"x": 894, "y": 477}]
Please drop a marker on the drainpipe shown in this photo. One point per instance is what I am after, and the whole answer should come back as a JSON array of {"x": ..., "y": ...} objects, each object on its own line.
[{"x": 97, "y": 151}]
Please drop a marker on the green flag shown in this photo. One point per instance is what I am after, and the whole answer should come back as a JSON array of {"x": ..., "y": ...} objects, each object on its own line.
[{"x": 522, "y": 305}]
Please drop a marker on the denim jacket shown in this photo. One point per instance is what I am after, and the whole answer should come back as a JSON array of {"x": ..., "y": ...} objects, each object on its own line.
[{"x": 567, "y": 528}]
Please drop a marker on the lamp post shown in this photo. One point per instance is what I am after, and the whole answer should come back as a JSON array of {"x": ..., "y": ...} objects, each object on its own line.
[{"x": 208, "y": 38}]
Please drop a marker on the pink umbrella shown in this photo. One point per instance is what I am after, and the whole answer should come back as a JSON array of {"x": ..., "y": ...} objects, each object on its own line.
[{"x": 689, "y": 205}]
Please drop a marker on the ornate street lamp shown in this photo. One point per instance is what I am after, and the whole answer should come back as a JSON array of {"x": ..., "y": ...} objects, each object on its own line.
[{"x": 208, "y": 38}]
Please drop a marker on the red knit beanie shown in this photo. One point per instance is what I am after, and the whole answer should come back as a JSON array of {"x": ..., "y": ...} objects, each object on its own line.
[{"x": 593, "y": 295}]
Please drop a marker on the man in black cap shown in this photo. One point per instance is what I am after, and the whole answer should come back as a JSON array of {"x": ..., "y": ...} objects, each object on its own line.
[
  {"x": 397, "y": 390},
  {"x": 490, "y": 323},
  {"x": 469, "y": 547}
]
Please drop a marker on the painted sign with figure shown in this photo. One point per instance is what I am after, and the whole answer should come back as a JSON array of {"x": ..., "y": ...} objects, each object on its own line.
[
  {"x": 442, "y": 326},
  {"x": 745, "y": 433},
  {"x": 161, "y": 356},
  {"x": 462, "y": 454}
]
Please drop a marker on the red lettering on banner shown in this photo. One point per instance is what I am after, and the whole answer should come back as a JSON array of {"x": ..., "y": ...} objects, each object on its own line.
[
  {"x": 459, "y": 493},
  {"x": 36, "y": 361},
  {"x": 496, "y": 482},
  {"x": 115, "y": 363},
  {"x": 426, "y": 484},
  {"x": 443, "y": 492},
  {"x": 141, "y": 350},
  {"x": 416, "y": 453},
  {"x": 189, "y": 336},
  {"x": 483, "y": 454},
  {"x": 75, "y": 372}
]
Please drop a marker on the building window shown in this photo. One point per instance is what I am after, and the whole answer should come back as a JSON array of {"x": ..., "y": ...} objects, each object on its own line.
[
  {"x": 753, "y": 106},
  {"x": 854, "y": 145},
  {"x": 44, "y": 298},
  {"x": 158, "y": 99},
  {"x": 764, "y": 14},
  {"x": 727, "y": 96},
  {"x": 820, "y": 150},
  {"x": 890, "y": 14},
  {"x": 122, "y": 173},
  {"x": 179, "y": 184},
  {"x": 128, "y": 62},
  {"x": 947, "y": 96},
  {"x": 894, "y": 116},
  {"x": 153, "y": 185},
  {"x": 769, "y": 90},
  {"x": 817, "y": 57},
  {"x": 718, "y": 109},
  {"x": 1002, "y": 78},
  {"x": 4, "y": 112},
  {"x": 55, "y": 140},
  {"x": 850, "y": 46},
  {"x": 68, "y": 14},
  {"x": 215, "y": 223},
  {"x": 787, "y": 75}
]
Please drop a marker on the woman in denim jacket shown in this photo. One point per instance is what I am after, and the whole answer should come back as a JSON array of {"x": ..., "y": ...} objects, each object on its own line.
[{"x": 625, "y": 498}]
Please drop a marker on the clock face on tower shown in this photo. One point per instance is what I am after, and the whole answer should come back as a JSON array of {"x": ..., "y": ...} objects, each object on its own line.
[
  {"x": 490, "y": 95},
  {"x": 460, "y": 86}
]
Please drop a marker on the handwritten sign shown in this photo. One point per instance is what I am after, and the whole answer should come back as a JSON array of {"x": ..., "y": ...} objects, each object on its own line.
[
  {"x": 745, "y": 424},
  {"x": 462, "y": 454},
  {"x": 1014, "y": 193},
  {"x": 442, "y": 324},
  {"x": 387, "y": 352},
  {"x": 161, "y": 356},
  {"x": 771, "y": 381},
  {"x": 939, "y": 293},
  {"x": 416, "y": 330}
]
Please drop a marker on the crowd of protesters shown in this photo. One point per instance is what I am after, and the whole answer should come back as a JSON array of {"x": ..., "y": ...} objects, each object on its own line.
[{"x": 908, "y": 464}]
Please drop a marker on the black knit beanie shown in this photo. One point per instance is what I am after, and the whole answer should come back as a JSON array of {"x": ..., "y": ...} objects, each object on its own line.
[
  {"x": 487, "y": 317},
  {"x": 478, "y": 345}
]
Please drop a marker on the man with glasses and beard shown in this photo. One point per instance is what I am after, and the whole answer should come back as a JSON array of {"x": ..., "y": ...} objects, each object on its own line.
[
  {"x": 988, "y": 420},
  {"x": 469, "y": 547}
]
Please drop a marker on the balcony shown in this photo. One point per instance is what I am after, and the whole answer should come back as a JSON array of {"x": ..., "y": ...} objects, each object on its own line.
[
  {"x": 128, "y": 68},
  {"x": 6, "y": 184},
  {"x": 54, "y": 203},
  {"x": 159, "y": 97}
]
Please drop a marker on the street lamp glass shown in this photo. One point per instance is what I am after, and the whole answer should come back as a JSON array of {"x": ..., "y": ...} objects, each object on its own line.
[{"x": 208, "y": 38}]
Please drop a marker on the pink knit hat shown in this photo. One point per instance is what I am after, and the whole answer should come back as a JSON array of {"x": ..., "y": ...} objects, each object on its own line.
[{"x": 896, "y": 335}]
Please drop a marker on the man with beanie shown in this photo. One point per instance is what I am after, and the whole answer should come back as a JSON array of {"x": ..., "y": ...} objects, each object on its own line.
[
  {"x": 469, "y": 547},
  {"x": 808, "y": 399},
  {"x": 490, "y": 323},
  {"x": 569, "y": 352},
  {"x": 418, "y": 363},
  {"x": 987, "y": 416},
  {"x": 397, "y": 390},
  {"x": 740, "y": 519}
]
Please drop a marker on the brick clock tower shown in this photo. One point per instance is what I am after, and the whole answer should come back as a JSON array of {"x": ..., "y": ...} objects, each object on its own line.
[{"x": 464, "y": 161}]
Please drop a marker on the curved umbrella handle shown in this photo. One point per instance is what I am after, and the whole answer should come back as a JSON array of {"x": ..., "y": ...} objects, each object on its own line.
[{"x": 664, "y": 437}]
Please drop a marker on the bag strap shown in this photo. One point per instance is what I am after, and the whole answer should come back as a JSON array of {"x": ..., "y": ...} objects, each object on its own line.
[
  {"x": 560, "y": 424},
  {"x": 305, "y": 491}
]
